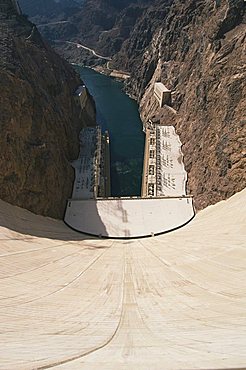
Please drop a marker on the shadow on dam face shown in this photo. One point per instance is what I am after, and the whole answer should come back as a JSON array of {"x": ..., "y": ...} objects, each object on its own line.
[
  {"x": 27, "y": 224},
  {"x": 88, "y": 220},
  {"x": 154, "y": 303}
]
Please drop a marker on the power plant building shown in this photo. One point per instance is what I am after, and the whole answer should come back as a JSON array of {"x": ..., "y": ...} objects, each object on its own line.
[{"x": 162, "y": 94}]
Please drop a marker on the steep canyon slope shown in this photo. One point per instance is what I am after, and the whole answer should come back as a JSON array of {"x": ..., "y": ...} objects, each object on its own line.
[
  {"x": 197, "y": 49},
  {"x": 39, "y": 120},
  {"x": 199, "y": 53}
]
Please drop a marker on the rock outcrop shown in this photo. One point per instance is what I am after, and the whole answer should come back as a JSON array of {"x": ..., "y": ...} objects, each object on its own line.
[{"x": 39, "y": 120}]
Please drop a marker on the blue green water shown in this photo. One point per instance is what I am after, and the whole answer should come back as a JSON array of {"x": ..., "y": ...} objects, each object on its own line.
[{"x": 118, "y": 113}]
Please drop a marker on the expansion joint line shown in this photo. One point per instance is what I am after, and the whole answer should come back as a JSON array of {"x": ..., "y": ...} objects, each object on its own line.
[{"x": 103, "y": 345}]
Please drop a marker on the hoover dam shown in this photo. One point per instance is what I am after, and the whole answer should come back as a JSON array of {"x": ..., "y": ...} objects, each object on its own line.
[
  {"x": 176, "y": 301},
  {"x": 131, "y": 297}
]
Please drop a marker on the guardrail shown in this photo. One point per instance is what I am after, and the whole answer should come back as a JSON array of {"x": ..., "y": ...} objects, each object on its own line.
[{"x": 134, "y": 198}]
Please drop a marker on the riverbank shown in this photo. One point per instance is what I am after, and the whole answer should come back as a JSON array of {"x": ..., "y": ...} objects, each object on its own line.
[
  {"x": 118, "y": 75},
  {"x": 121, "y": 75}
]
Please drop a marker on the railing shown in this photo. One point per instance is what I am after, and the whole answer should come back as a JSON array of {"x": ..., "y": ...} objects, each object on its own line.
[{"x": 135, "y": 198}]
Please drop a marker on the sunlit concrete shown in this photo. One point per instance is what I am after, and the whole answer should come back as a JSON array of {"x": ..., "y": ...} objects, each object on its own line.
[
  {"x": 129, "y": 217},
  {"x": 164, "y": 172},
  {"x": 177, "y": 301},
  {"x": 162, "y": 94}
]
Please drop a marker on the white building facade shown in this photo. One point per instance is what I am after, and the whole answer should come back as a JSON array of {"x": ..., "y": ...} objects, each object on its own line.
[{"x": 162, "y": 94}]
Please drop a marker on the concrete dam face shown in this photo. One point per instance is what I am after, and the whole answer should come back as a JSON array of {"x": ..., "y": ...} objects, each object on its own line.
[{"x": 175, "y": 301}]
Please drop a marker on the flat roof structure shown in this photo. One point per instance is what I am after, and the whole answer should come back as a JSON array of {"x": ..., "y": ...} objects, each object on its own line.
[
  {"x": 128, "y": 217},
  {"x": 73, "y": 302},
  {"x": 164, "y": 171},
  {"x": 162, "y": 94},
  {"x": 86, "y": 166},
  {"x": 161, "y": 87},
  {"x": 170, "y": 171}
]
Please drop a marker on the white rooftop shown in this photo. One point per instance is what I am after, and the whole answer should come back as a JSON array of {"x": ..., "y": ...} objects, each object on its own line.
[
  {"x": 165, "y": 174},
  {"x": 85, "y": 166},
  {"x": 170, "y": 166},
  {"x": 162, "y": 87}
]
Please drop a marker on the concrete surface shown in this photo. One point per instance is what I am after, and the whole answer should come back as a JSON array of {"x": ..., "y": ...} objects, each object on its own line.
[
  {"x": 176, "y": 301},
  {"x": 128, "y": 217},
  {"x": 164, "y": 173},
  {"x": 86, "y": 166}
]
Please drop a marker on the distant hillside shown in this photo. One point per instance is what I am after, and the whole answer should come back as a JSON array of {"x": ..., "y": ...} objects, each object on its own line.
[
  {"x": 102, "y": 24},
  {"x": 48, "y": 8}
]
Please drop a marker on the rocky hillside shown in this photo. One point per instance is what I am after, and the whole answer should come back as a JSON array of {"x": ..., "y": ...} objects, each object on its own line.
[
  {"x": 39, "y": 120},
  {"x": 100, "y": 24},
  {"x": 197, "y": 49},
  {"x": 49, "y": 8}
]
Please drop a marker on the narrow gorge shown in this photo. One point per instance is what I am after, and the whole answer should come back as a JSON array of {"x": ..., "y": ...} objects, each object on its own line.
[
  {"x": 197, "y": 49},
  {"x": 130, "y": 282}
]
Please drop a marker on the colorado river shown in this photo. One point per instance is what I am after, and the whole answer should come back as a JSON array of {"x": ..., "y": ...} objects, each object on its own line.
[{"x": 118, "y": 114}]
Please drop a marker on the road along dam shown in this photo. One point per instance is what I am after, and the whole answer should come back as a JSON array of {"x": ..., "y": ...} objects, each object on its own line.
[{"x": 176, "y": 301}]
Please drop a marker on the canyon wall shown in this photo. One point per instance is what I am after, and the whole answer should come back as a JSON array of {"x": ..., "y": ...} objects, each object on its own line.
[
  {"x": 39, "y": 120},
  {"x": 199, "y": 53},
  {"x": 197, "y": 49}
]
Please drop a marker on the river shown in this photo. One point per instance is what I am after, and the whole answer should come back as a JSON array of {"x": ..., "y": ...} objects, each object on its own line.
[{"x": 118, "y": 113}]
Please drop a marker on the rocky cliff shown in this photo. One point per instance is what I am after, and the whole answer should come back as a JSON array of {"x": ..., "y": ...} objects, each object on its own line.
[
  {"x": 197, "y": 49},
  {"x": 100, "y": 24},
  {"x": 49, "y": 8},
  {"x": 39, "y": 120}
]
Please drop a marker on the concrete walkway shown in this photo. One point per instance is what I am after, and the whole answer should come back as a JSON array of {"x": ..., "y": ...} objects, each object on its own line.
[{"x": 71, "y": 302}]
